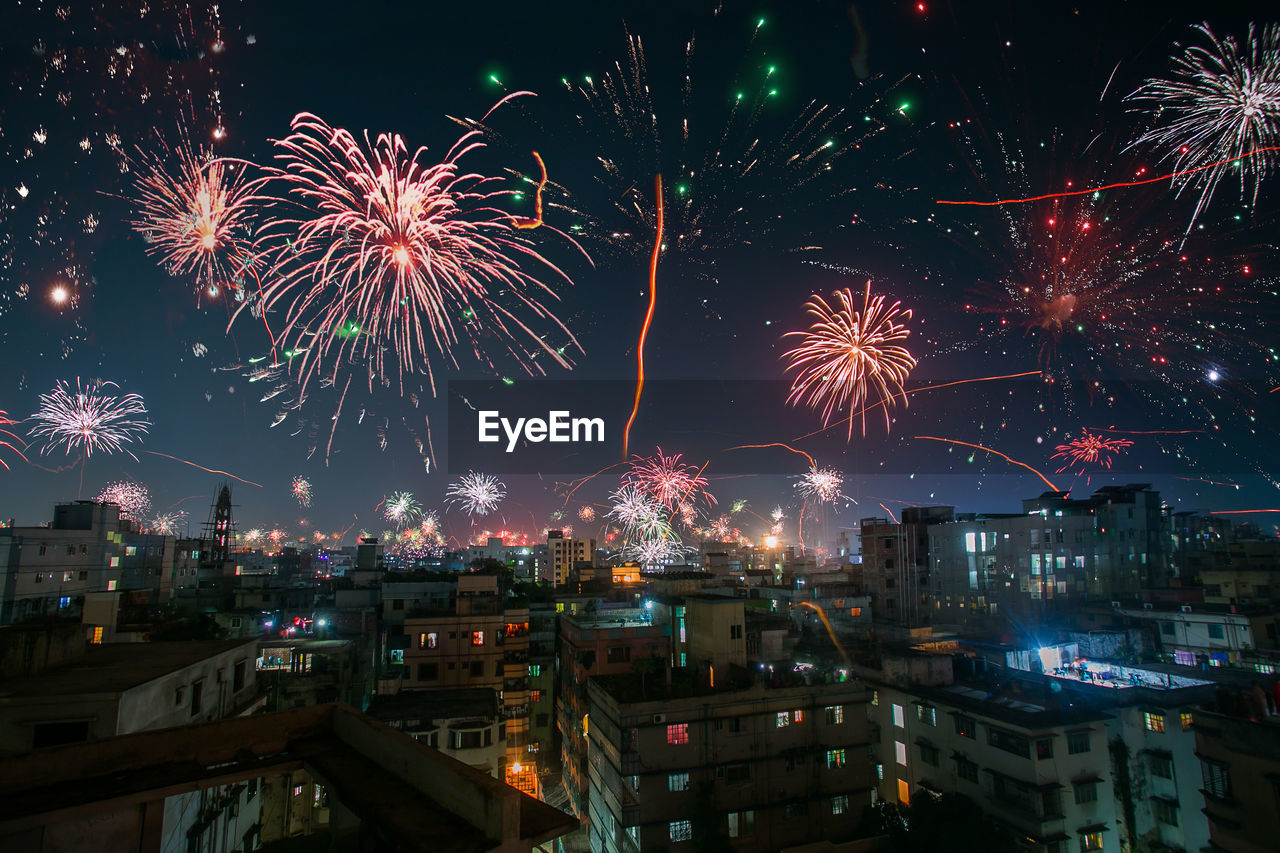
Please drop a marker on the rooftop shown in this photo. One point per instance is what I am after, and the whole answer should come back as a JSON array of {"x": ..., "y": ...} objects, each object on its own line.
[{"x": 116, "y": 667}]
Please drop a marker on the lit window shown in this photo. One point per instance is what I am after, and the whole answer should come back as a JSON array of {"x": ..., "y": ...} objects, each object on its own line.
[
  {"x": 742, "y": 823},
  {"x": 111, "y": 585},
  {"x": 840, "y": 804},
  {"x": 680, "y": 830},
  {"x": 677, "y": 734},
  {"x": 904, "y": 792},
  {"x": 783, "y": 720},
  {"x": 900, "y": 752},
  {"x": 875, "y": 697},
  {"x": 927, "y": 714},
  {"x": 130, "y": 550},
  {"x": 477, "y": 638},
  {"x": 1185, "y": 716},
  {"x": 835, "y": 759},
  {"x": 855, "y": 612},
  {"x": 798, "y": 716},
  {"x": 899, "y": 717},
  {"x": 115, "y": 562},
  {"x": 835, "y": 715},
  {"x": 535, "y": 696},
  {"x": 677, "y": 781},
  {"x": 1090, "y": 841},
  {"x": 97, "y": 636},
  {"x": 1153, "y": 722}
]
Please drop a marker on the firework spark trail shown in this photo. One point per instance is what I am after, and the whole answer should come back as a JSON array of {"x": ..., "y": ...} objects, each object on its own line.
[
  {"x": 891, "y": 515},
  {"x": 1147, "y": 431},
  {"x": 202, "y": 468},
  {"x": 1210, "y": 482},
  {"x": 1240, "y": 511},
  {"x": 1223, "y": 99},
  {"x": 1089, "y": 449},
  {"x": 1092, "y": 190},
  {"x": 826, "y": 623},
  {"x": 667, "y": 480},
  {"x": 917, "y": 391},
  {"x": 849, "y": 353},
  {"x": 388, "y": 259},
  {"x": 536, "y": 221},
  {"x": 328, "y": 448},
  {"x": 809, "y": 458},
  {"x": 5, "y": 434},
  {"x": 995, "y": 452},
  {"x": 648, "y": 317},
  {"x": 87, "y": 419}
]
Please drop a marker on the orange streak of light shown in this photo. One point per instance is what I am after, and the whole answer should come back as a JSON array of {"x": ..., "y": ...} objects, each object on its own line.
[
  {"x": 996, "y": 452},
  {"x": 826, "y": 623},
  {"x": 202, "y": 468},
  {"x": 812, "y": 464},
  {"x": 1240, "y": 511},
  {"x": 522, "y": 222},
  {"x": 1146, "y": 431},
  {"x": 917, "y": 391},
  {"x": 1169, "y": 176},
  {"x": 648, "y": 317},
  {"x": 891, "y": 515}
]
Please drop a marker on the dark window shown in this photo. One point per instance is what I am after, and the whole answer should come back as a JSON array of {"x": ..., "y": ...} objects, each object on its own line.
[
  {"x": 965, "y": 726},
  {"x": 1044, "y": 748},
  {"x": 929, "y": 754},
  {"x": 178, "y": 696},
  {"x": 1009, "y": 742},
  {"x": 618, "y": 654},
  {"x": 736, "y": 773},
  {"x": 428, "y": 671},
  {"x": 197, "y": 688},
  {"x": 966, "y": 769},
  {"x": 543, "y": 720},
  {"x": 237, "y": 676},
  {"x": 55, "y": 734},
  {"x": 1086, "y": 792},
  {"x": 1162, "y": 766},
  {"x": 84, "y": 576},
  {"x": 1215, "y": 631},
  {"x": 477, "y": 668},
  {"x": 735, "y": 632},
  {"x": 797, "y": 809},
  {"x": 398, "y": 604},
  {"x": 1165, "y": 812},
  {"x": 1077, "y": 742},
  {"x": 1217, "y": 778},
  {"x": 1166, "y": 628}
]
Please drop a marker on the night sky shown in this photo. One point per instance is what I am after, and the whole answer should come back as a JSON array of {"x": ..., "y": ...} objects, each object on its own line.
[{"x": 947, "y": 102}]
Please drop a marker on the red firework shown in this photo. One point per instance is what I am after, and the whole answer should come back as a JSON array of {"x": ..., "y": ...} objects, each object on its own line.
[
  {"x": 1089, "y": 449},
  {"x": 666, "y": 480}
]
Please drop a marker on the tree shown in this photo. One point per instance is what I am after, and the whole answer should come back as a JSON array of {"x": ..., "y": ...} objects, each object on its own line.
[{"x": 950, "y": 823}]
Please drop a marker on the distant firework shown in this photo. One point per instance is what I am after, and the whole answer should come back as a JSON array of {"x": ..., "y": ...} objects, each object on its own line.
[
  {"x": 401, "y": 508},
  {"x": 587, "y": 513},
  {"x": 1089, "y": 450},
  {"x": 86, "y": 419},
  {"x": 134, "y": 499},
  {"x": 821, "y": 485},
  {"x": 738, "y": 506},
  {"x": 390, "y": 261},
  {"x": 7, "y": 438},
  {"x": 301, "y": 489},
  {"x": 850, "y": 356},
  {"x": 196, "y": 217},
  {"x": 477, "y": 494},
  {"x": 656, "y": 552},
  {"x": 253, "y": 536},
  {"x": 167, "y": 524},
  {"x": 666, "y": 479},
  {"x": 1221, "y": 102},
  {"x": 429, "y": 525}
]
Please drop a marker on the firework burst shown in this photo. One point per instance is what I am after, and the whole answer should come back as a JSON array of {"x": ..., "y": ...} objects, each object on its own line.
[
  {"x": 390, "y": 261},
  {"x": 1220, "y": 105},
  {"x": 7, "y": 438},
  {"x": 401, "y": 508},
  {"x": 587, "y": 513},
  {"x": 196, "y": 218},
  {"x": 1089, "y": 450},
  {"x": 253, "y": 536},
  {"x": 300, "y": 487},
  {"x": 850, "y": 357},
  {"x": 167, "y": 523},
  {"x": 86, "y": 419},
  {"x": 666, "y": 480},
  {"x": 821, "y": 486},
  {"x": 134, "y": 499},
  {"x": 477, "y": 494}
]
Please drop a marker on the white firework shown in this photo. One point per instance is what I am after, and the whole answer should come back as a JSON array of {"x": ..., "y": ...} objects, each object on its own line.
[
  {"x": 167, "y": 524},
  {"x": 821, "y": 485},
  {"x": 1216, "y": 112},
  {"x": 477, "y": 494}
]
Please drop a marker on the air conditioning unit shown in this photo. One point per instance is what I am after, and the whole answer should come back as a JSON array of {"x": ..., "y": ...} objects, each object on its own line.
[
  {"x": 1116, "y": 605},
  {"x": 1146, "y": 605},
  {"x": 659, "y": 718},
  {"x": 1186, "y": 608}
]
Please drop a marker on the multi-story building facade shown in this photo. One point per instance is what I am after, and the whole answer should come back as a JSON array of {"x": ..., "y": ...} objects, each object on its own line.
[
  {"x": 605, "y": 642},
  {"x": 1054, "y": 556},
  {"x": 1043, "y": 771},
  {"x": 564, "y": 553},
  {"x": 895, "y": 568},
  {"x": 1239, "y": 779},
  {"x": 759, "y": 767}
]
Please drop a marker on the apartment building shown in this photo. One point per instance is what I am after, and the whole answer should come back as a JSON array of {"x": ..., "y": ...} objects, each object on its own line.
[
  {"x": 564, "y": 553},
  {"x": 1240, "y": 779},
  {"x": 760, "y": 767},
  {"x": 606, "y": 641},
  {"x": 895, "y": 567},
  {"x": 1041, "y": 768}
]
